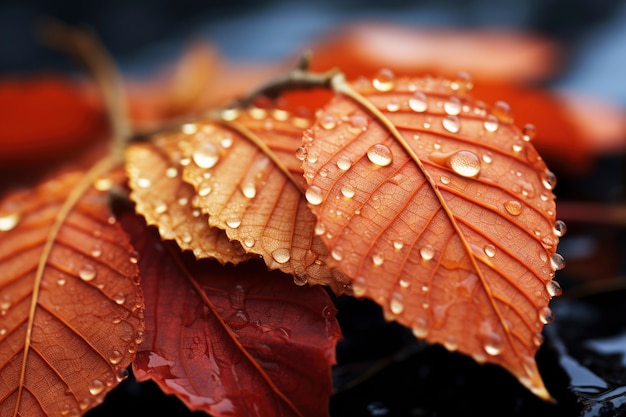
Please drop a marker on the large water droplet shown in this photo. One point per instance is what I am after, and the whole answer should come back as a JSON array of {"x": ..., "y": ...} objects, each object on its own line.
[
  {"x": 378, "y": 259},
  {"x": 548, "y": 180},
  {"x": 248, "y": 189},
  {"x": 359, "y": 286},
  {"x": 491, "y": 123},
  {"x": 465, "y": 163},
  {"x": 320, "y": 229},
  {"x": 121, "y": 374},
  {"x": 119, "y": 298},
  {"x": 393, "y": 105},
  {"x": 144, "y": 183},
  {"x": 420, "y": 327},
  {"x": 427, "y": 252},
  {"x": 490, "y": 250},
  {"x": 300, "y": 279},
  {"x": 546, "y": 316},
  {"x": 452, "y": 107},
  {"x": 557, "y": 261},
  {"x": 328, "y": 121},
  {"x": 347, "y": 191},
  {"x": 397, "y": 245},
  {"x": 560, "y": 228},
  {"x": 554, "y": 288},
  {"x": 492, "y": 343},
  {"x": 248, "y": 241},
  {"x": 337, "y": 253},
  {"x": 529, "y": 132},
  {"x": 451, "y": 123},
  {"x": 281, "y": 255},
  {"x": 301, "y": 153},
  {"x": 384, "y": 80},
  {"x": 314, "y": 195},
  {"x": 9, "y": 221},
  {"x": 463, "y": 82},
  {"x": 87, "y": 272},
  {"x": 233, "y": 221},
  {"x": 513, "y": 207},
  {"x": 115, "y": 357},
  {"x": 418, "y": 102},
  {"x": 206, "y": 156},
  {"x": 396, "y": 303},
  {"x": 502, "y": 111},
  {"x": 96, "y": 387},
  {"x": 380, "y": 155},
  {"x": 344, "y": 163}
]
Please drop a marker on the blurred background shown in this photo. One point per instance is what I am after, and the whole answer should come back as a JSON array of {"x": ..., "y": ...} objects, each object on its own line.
[{"x": 560, "y": 61}]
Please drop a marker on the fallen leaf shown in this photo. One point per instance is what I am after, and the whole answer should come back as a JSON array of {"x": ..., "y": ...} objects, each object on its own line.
[
  {"x": 233, "y": 340},
  {"x": 70, "y": 302},
  {"x": 440, "y": 210},
  {"x": 249, "y": 181}
]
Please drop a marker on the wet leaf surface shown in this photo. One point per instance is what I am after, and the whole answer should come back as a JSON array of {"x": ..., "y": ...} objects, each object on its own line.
[{"x": 226, "y": 339}]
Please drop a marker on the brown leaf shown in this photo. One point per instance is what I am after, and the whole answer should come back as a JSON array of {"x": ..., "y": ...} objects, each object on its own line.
[
  {"x": 249, "y": 181},
  {"x": 164, "y": 200},
  {"x": 70, "y": 303},
  {"x": 441, "y": 211},
  {"x": 233, "y": 340}
]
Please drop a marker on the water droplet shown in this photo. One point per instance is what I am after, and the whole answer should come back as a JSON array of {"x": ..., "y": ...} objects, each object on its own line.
[
  {"x": 529, "y": 132},
  {"x": 323, "y": 172},
  {"x": 380, "y": 155},
  {"x": 378, "y": 259},
  {"x": 347, "y": 191},
  {"x": 397, "y": 245},
  {"x": 464, "y": 163},
  {"x": 502, "y": 111},
  {"x": 557, "y": 261},
  {"x": 490, "y": 250},
  {"x": 144, "y": 183},
  {"x": 463, "y": 82},
  {"x": 548, "y": 179},
  {"x": 513, "y": 207},
  {"x": 548, "y": 242},
  {"x": 344, "y": 163},
  {"x": 312, "y": 157},
  {"x": 492, "y": 343},
  {"x": 427, "y": 252},
  {"x": 301, "y": 153},
  {"x": 337, "y": 253},
  {"x": 61, "y": 281},
  {"x": 358, "y": 122},
  {"x": 451, "y": 343},
  {"x": 186, "y": 237},
  {"x": 320, "y": 229},
  {"x": 189, "y": 128},
  {"x": 393, "y": 105},
  {"x": 396, "y": 303},
  {"x": 115, "y": 357},
  {"x": 248, "y": 241},
  {"x": 420, "y": 327},
  {"x": 300, "y": 279},
  {"x": 121, "y": 374},
  {"x": 96, "y": 387},
  {"x": 517, "y": 147},
  {"x": 452, "y": 107},
  {"x": 546, "y": 316},
  {"x": 281, "y": 255},
  {"x": 560, "y": 228},
  {"x": 206, "y": 156},
  {"x": 120, "y": 298},
  {"x": 249, "y": 189},
  {"x": 491, "y": 123},
  {"x": 359, "y": 286},
  {"x": 554, "y": 288},
  {"x": 87, "y": 272},
  {"x": 233, "y": 221},
  {"x": 171, "y": 172},
  {"x": 384, "y": 80},
  {"x": 314, "y": 195},
  {"x": 140, "y": 337},
  {"x": 328, "y": 121},
  {"x": 9, "y": 221},
  {"x": 445, "y": 180},
  {"x": 418, "y": 103},
  {"x": 404, "y": 283},
  {"x": 204, "y": 189},
  {"x": 451, "y": 123}
]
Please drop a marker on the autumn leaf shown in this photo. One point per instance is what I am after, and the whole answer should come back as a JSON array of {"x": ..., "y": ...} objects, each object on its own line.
[
  {"x": 441, "y": 211},
  {"x": 249, "y": 181},
  {"x": 235, "y": 340},
  {"x": 70, "y": 302}
]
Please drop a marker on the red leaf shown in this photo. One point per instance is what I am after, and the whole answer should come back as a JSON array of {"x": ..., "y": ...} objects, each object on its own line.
[{"x": 233, "y": 340}]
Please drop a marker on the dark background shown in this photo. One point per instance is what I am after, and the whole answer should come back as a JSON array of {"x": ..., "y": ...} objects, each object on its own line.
[{"x": 382, "y": 370}]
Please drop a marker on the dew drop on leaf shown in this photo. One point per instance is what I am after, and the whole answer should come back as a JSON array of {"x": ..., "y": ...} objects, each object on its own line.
[
  {"x": 206, "y": 156},
  {"x": 490, "y": 250},
  {"x": 548, "y": 180},
  {"x": 347, "y": 191},
  {"x": 314, "y": 195},
  {"x": 119, "y": 298},
  {"x": 427, "y": 252},
  {"x": 513, "y": 207},
  {"x": 529, "y": 132},
  {"x": 144, "y": 182},
  {"x": 554, "y": 288},
  {"x": 465, "y": 163},
  {"x": 492, "y": 343},
  {"x": 502, "y": 111},
  {"x": 320, "y": 229},
  {"x": 397, "y": 245},
  {"x": 380, "y": 155},
  {"x": 393, "y": 105},
  {"x": 249, "y": 189},
  {"x": 378, "y": 259},
  {"x": 300, "y": 279},
  {"x": 557, "y": 261},
  {"x": 445, "y": 180},
  {"x": 189, "y": 128},
  {"x": 337, "y": 254},
  {"x": 452, "y": 107},
  {"x": 9, "y": 221},
  {"x": 451, "y": 123},
  {"x": 115, "y": 357},
  {"x": 121, "y": 374},
  {"x": 233, "y": 221},
  {"x": 396, "y": 303},
  {"x": 384, "y": 80},
  {"x": 248, "y": 241},
  {"x": 301, "y": 153},
  {"x": 87, "y": 272},
  {"x": 328, "y": 121},
  {"x": 560, "y": 228},
  {"x": 171, "y": 172},
  {"x": 491, "y": 123},
  {"x": 418, "y": 102},
  {"x": 420, "y": 327},
  {"x": 344, "y": 163},
  {"x": 462, "y": 83},
  {"x": 546, "y": 316},
  {"x": 96, "y": 387},
  {"x": 281, "y": 255},
  {"x": 359, "y": 286}
]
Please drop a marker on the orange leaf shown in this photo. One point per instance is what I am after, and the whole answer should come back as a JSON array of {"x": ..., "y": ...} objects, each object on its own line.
[
  {"x": 440, "y": 211},
  {"x": 70, "y": 303},
  {"x": 249, "y": 181},
  {"x": 164, "y": 200},
  {"x": 233, "y": 340}
]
